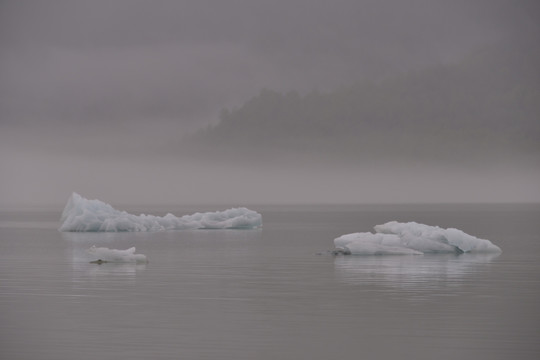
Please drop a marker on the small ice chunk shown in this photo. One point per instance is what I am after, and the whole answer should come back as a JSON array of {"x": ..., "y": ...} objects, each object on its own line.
[
  {"x": 84, "y": 215},
  {"x": 103, "y": 254}
]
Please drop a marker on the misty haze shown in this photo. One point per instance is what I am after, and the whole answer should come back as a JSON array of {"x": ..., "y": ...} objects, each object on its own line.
[
  {"x": 246, "y": 101},
  {"x": 249, "y": 179}
]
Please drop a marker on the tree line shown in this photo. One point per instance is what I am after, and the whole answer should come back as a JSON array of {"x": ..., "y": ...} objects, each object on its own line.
[{"x": 484, "y": 107}]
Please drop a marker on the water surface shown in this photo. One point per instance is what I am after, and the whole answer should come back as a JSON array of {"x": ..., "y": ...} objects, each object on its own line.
[{"x": 271, "y": 293}]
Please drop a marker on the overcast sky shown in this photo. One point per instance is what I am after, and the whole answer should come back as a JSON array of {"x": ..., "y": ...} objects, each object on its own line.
[{"x": 91, "y": 91}]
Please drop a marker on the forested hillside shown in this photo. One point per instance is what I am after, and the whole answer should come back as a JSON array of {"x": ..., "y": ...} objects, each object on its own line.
[{"x": 485, "y": 107}]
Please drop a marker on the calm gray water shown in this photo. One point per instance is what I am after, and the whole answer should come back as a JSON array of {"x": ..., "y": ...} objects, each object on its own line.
[{"x": 272, "y": 293}]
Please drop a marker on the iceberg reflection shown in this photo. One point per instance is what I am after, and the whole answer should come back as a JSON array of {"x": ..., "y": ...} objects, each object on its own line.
[
  {"x": 84, "y": 270},
  {"x": 410, "y": 272}
]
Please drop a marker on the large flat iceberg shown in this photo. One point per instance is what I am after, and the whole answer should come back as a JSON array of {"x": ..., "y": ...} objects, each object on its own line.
[
  {"x": 84, "y": 215},
  {"x": 395, "y": 238}
]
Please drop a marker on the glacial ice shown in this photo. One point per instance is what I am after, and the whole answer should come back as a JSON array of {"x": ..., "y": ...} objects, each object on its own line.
[
  {"x": 395, "y": 238},
  {"x": 85, "y": 215},
  {"x": 116, "y": 256}
]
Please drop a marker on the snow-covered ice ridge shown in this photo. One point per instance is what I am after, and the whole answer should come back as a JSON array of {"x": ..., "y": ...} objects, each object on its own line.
[
  {"x": 83, "y": 215},
  {"x": 116, "y": 256},
  {"x": 395, "y": 238}
]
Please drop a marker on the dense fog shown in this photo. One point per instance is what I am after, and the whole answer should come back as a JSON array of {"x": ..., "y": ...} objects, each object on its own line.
[{"x": 243, "y": 102}]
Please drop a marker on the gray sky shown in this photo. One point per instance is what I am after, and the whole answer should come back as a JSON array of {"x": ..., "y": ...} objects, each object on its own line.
[{"x": 91, "y": 92}]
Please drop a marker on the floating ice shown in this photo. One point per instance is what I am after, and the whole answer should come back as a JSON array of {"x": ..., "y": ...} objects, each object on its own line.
[
  {"x": 81, "y": 214},
  {"x": 103, "y": 254},
  {"x": 394, "y": 238}
]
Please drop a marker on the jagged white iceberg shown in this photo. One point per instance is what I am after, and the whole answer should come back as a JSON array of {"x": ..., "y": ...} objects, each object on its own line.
[
  {"x": 103, "y": 254},
  {"x": 395, "y": 238},
  {"x": 84, "y": 215}
]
